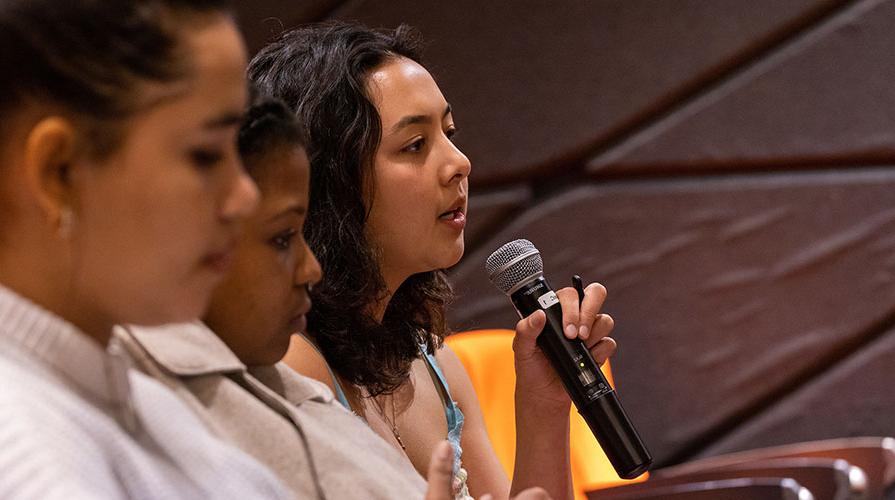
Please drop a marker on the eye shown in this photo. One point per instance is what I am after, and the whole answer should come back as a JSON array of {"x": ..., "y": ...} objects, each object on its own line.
[
  {"x": 451, "y": 133},
  {"x": 283, "y": 241},
  {"x": 415, "y": 146},
  {"x": 206, "y": 158}
]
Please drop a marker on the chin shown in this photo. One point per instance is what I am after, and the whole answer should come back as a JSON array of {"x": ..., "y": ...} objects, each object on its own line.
[
  {"x": 454, "y": 261},
  {"x": 269, "y": 358},
  {"x": 457, "y": 255},
  {"x": 277, "y": 347},
  {"x": 444, "y": 261}
]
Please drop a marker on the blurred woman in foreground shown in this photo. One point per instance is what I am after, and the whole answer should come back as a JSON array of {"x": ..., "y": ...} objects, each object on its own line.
[{"x": 120, "y": 196}]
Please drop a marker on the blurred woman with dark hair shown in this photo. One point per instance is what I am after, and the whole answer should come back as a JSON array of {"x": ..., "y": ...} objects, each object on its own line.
[
  {"x": 121, "y": 192},
  {"x": 388, "y": 207}
]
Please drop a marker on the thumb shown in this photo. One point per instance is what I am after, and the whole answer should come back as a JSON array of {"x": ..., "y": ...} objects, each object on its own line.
[
  {"x": 527, "y": 331},
  {"x": 440, "y": 475}
]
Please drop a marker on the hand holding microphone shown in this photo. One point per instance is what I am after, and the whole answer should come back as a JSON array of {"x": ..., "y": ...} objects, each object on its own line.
[
  {"x": 562, "y": 362},
  {"x": 536, "y": 378}
]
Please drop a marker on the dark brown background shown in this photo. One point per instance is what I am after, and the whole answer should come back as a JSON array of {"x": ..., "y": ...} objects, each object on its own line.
[{"x": 722, "y": 166}]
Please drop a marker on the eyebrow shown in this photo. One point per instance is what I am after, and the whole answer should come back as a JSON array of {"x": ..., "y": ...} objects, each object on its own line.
[
  {"x": 225, "y": 120},
  {"x": 298, "y": 210},
  {"x": 416, "y": 119}
]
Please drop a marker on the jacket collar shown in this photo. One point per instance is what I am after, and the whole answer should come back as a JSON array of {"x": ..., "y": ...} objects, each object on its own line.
[
  {"x": 186, "y": 349},
  {"x": 193, "y": 350}
]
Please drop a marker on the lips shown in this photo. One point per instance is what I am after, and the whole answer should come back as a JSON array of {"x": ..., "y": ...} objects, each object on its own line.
[
  {"x": 455, "y": 219},
  {"x": 299, "y": 322},
  {"x": 451, "y": 214},
  {"x": 457, "y": 208},
  {"x": 303, "y": 308}
]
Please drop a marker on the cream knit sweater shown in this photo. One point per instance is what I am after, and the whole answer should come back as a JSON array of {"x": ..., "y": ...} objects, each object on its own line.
[{"x": 76, "y": 422}]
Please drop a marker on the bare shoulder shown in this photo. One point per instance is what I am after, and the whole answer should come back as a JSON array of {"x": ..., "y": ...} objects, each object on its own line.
[
  {"x": 457, "y": 378},
  {"x": 304, "y": 358}
]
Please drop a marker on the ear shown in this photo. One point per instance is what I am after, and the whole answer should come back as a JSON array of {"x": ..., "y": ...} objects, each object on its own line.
[{"x": 50, "y": 151}]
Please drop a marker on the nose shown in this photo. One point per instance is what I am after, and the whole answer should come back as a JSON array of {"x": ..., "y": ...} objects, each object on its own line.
[
  {"x": 241, "y": 199},
  {"x": 307, "y": 268},
  {"x": 456, "y": 166}
]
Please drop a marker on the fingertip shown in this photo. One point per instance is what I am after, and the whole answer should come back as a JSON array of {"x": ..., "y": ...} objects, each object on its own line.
[
  {"x": 606, "y": 322},
  {"x": 583, "y": 332},
  {"x": 604, "y": 350},
  {"x": 598, "y": 289},
  {"x": 443, "y": 450}
]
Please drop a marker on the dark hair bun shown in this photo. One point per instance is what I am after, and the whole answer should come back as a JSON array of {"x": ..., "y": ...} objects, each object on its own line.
[{"x": 268, "y": 124}]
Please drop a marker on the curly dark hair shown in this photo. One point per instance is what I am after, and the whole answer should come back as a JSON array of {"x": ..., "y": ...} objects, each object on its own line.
[{"x": 320, "y": 71}]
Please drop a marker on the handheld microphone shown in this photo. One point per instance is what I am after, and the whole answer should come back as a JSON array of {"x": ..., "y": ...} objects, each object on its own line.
[{"x": 517, "y": 270}]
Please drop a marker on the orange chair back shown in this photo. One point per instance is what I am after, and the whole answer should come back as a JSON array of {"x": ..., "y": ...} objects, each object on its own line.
[{"x": 487, "y": 356}]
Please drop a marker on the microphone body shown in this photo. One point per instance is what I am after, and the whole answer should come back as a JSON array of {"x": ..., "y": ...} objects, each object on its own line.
[
  {"x": 588, "y": 388},
  {"x": 517, "y": 270}
]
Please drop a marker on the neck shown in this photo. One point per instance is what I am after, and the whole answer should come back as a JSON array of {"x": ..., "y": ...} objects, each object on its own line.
[
  {"x": 54, "y": 296},
  {"x": 379, "y": 307},
  {"x": 393, "y": 281}
]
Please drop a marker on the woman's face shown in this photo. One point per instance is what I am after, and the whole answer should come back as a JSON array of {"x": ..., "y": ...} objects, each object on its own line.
[
  {"x": 156, "y": 220},
  {"x": 264, "y": 298},
  {"x": 420, "y": 178}
]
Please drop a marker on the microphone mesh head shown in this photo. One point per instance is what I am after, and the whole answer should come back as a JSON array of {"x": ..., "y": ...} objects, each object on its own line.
[{"x": 512, "y": 264}]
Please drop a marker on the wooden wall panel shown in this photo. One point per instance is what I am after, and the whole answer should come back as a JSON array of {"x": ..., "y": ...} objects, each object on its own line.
[
  {"x": 724, "y": 290},
  {"x": 825, "y": 99},
  {"x": 536, "y": 84},
  {"x": 263, "y": 20},
  {"x": 491, "y": 209},
  {"x": 850, "y": 398}
]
